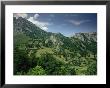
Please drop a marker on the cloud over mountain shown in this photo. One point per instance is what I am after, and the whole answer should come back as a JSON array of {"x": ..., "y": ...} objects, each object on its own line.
[
  {"x": 23, "y": 15},
  {"x": 36, "y": 16},
  {"x": 41, "y": 24},
  {"x": 77, "y": 23}
]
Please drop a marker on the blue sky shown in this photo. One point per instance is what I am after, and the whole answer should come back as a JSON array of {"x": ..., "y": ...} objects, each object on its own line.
[{"x": 66, "y": 23}]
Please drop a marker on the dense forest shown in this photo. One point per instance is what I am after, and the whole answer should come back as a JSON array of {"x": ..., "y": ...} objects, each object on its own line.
[{"x": 37, "y": 52}]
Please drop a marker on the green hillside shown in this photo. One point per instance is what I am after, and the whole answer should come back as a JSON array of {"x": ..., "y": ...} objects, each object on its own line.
[{"x": 37, "y": 52}]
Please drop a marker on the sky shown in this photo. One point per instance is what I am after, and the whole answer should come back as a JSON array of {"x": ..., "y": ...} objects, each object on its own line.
[{"x": 65, "y": 23}]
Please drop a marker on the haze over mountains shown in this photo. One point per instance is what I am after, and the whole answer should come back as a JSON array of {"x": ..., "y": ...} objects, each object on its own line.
[{"x": 38, "y": 52}]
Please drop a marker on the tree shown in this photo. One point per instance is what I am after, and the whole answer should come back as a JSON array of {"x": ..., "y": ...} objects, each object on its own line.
[
  {"x": 21, "y": 61},
  {"x": 66, "y": 70},
  {"x": 38, "y": 70},
  {"x": 49, "y": 63},
  {"x": 92, "y": 69},
  {"x": 92, "y": 47}
]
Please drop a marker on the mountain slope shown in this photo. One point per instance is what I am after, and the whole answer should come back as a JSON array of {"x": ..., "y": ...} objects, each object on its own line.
[{"x": 68, "y": 53}]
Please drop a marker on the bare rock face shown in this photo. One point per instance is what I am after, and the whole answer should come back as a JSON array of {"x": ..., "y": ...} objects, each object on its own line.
[{"x": 89, "y": 36}]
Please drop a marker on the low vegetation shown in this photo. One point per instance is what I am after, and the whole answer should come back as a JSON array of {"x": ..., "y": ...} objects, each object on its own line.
[{"x": 37, "y": 52}]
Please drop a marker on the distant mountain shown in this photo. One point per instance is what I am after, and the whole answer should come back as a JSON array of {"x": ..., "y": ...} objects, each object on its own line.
[
  {"x": 89, "y": 36},
  {"x": 85, "y": 43},
  {"x": 23, "y": 26}
]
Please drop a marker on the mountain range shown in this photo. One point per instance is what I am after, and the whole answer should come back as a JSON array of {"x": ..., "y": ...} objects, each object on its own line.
[{"x": 78, "y": 51}]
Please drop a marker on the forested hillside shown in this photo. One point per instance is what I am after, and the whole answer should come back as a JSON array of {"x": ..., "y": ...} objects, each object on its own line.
[{"x": 37, "y": 52}]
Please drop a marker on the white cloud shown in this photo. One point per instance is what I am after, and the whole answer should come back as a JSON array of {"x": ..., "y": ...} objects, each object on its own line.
[
  {"x": 45, "y": 28},
  {"x": 36, "y": 16},
  {"x": 23, "y": 15},
  {"x": 77, "y": 23},
  {"x": 42, "y": 25}
]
